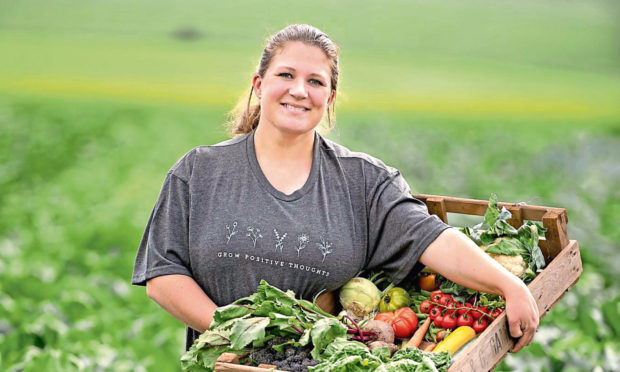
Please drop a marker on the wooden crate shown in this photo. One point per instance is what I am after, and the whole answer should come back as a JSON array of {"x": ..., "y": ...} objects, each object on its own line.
[{"x": 561, "y": 273}]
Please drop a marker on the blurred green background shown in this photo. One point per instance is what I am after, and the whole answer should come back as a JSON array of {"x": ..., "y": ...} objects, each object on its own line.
[{"x": 98, "y": 99}]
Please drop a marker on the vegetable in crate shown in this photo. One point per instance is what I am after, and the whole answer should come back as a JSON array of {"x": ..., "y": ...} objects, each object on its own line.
[
  {"x": 404, "y": 321},
  {"x": 360, "y": 297},
  {"x": 394, "y": 299},
  {"x": 515, "y": 249},
  {"x": 250, "y": 322}
]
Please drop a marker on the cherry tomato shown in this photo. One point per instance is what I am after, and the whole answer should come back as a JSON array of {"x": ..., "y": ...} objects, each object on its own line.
[
  {"x": 497, "y": 312},
  {"x": 445, "y": 298},
  {"x": 436, "y": 295},
  {"x": 425, "y": 307},
  {"x": 449, "y": 322},
  {"x": 465, "y": 320},
  {"x": 438, "y": 321},
  {"x": 480, "y": 325},
  {"x": 451, "y": 307},
  {"x": 464, "y": 308},
  {"x": 434, "y": 313},
  {"x": 428, "y": 282},
  {"x": 472, "y": 300},
  {"x": 478, "y": 314}
]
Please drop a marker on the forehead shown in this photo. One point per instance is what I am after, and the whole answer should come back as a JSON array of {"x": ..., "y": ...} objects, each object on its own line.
[{"x": 302, "y": 57}]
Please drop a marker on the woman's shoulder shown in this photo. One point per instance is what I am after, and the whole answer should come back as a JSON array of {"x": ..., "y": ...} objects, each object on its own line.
[
  {"x": 356, "y": 158},
  {"x": 205, "y": 154}
]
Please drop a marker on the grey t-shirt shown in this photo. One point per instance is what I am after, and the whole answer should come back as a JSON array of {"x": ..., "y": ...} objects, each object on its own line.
[{"x": 220, "y": 221}]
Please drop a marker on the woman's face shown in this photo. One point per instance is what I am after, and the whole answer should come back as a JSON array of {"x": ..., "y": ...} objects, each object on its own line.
[{"x": 296, "y": 89}]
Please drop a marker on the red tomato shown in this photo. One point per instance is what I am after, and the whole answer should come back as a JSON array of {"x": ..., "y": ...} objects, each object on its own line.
[
  {"x": 451, "y": 307},
  {"x": 497, "y": 312},
  {"x": 425, "y": 307},
  {"x": 445, "y": 298},
  {"x": 464, "y": 308},
  {"x": 449, "y": 322},
  {"x": 480, "y": 325},
  {"x": 436, "y": 295},
  {"x": 439, "y": 321},
  {"x": 387, "y": 317},
  {"x": 404, "y": 321},
  {"x": 434, "y": 313},
  {"x": 465, "y": 320},
  {"x": 478, "y": 314}
]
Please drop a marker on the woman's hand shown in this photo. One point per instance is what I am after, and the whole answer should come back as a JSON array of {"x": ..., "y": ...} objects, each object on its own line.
[
  {"x": 522, "y": 313},
  {"x": 456, "y": 257}
]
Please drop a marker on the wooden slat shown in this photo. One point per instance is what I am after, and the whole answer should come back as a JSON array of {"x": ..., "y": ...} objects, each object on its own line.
[
  {"x": 228, "y": 358},
  {"x": 478, "y": 207},
  {"x": 556, "y": 235},
  {"x": 229, "y": 367},
  {"x": 485, "y": 352},
  {"x": 437, "y": 207},
  {"x": 517, "y": 215}
]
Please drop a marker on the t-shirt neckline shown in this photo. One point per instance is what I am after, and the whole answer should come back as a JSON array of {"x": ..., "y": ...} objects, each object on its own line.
[{"x": 264, "y": 182}]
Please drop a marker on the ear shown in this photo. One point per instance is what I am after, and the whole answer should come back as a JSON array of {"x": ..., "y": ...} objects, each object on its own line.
[
  {"x": 331, "y": 97},
  {"x": 256, "y": 83}
]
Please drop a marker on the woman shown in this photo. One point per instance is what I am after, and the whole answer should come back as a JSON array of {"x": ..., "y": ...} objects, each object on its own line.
[{"x": 281, "y": 203}]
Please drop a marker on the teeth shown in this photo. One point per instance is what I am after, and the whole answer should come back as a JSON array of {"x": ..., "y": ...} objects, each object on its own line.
[{"x": 294, "y": 108}]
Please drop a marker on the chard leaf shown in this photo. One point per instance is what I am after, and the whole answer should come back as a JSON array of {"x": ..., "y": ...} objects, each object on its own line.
[
  {"x": 248, "y": 330},
  {"x": 281, "y": 321},
  {"x": 324, "y": 332},
  {"x": 225, "y": 313},
  {"x": 305, "y": 338},
  {"x": 280, "y": 347}
]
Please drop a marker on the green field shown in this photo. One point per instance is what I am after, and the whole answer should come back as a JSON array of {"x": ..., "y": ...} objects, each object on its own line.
[{"x": 99, "y": 99}]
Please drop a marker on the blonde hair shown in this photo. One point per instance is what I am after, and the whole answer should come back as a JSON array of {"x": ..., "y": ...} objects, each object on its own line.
[{"x": 244, "y": 118}]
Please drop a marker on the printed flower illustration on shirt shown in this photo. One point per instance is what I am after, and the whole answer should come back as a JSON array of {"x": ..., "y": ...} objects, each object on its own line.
[
  {"x": 279, "y": 240},
  {"x": 231, "y": 232},
  {"x": 254, "y": 234},
  {"x": 302, "y": 241},
  {"x": 325, "y": 247}
]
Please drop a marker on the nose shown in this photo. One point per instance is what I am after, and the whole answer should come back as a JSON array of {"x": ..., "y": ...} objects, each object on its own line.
[{"x": 298, "y": 89}]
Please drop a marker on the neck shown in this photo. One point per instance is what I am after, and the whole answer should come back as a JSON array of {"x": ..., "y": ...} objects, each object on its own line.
[{"x": 283, "y": 147}]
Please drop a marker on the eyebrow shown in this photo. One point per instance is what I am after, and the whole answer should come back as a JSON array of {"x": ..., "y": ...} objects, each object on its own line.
[{"x": 311, "y": 74}]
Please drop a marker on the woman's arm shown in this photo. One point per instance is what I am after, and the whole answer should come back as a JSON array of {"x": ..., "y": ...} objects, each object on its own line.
[
  {"x": 182, "y": 297},
  {"x": 456, "y": 257}
]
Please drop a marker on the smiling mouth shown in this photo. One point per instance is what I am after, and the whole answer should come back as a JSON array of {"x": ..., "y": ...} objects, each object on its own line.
[{"x": 290, "y": 107}]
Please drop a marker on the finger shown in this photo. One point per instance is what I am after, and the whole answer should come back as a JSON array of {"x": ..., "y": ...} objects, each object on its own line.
[
  {"x": 528, "y": 336},
  {"x": 515, "y": 328}
]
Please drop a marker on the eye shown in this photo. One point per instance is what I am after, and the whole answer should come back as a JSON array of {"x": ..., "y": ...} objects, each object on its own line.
[
  {"x": 316, "y": 82},
  {"x": 285, "y": 75}
]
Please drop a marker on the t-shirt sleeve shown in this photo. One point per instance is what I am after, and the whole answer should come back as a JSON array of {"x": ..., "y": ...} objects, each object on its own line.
[
  {"x": 164, "y": 246},
  {"x": 400, "y": 228}
]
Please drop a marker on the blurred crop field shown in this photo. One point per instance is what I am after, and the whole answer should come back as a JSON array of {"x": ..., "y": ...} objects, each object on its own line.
[{"x": 99, "y": 99}]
